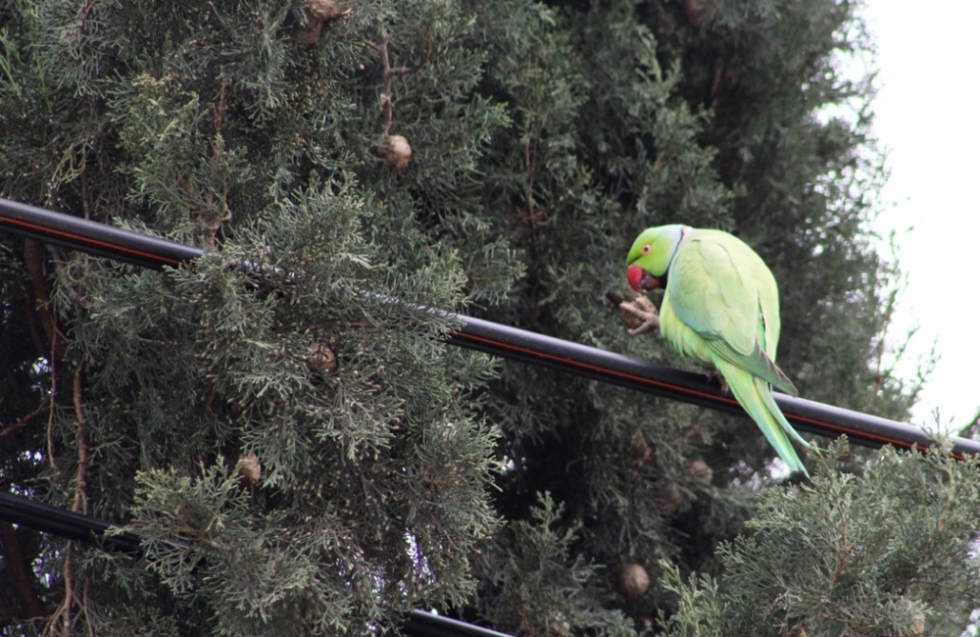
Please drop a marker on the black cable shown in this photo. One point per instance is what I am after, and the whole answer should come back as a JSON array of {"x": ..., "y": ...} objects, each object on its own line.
[
  {"x": 64, "y": 523},
  {"x": 92, "y": 237},
  {"x": 26, "y": 512},
  {"x": 499, "y": 340},
  {"x": 423, "y": 624},
  {"x": 640, "y": 375}
]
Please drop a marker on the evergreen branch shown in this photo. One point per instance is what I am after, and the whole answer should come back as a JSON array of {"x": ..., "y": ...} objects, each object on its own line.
[
  {"x": 81, "y": 497},
  {"x": 80, "y": 504},
  {"x": 63, "y": 612},
  {"x": 85, "y": 14},
  {"x": 23, "y": 421},
  {"x": 218, "y": 111},
  {"x": 85, "y": 606},
  {"x": 55, "y": 364},
  {"x": 388, "y": 73},
  {"x": 34, "y": 260},
  {"x": 69, "y": 590},
  {"x": 25, "y": 136}
]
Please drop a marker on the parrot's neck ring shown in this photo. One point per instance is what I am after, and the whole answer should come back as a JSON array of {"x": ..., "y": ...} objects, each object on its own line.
[{"x": 670, "y": 262}]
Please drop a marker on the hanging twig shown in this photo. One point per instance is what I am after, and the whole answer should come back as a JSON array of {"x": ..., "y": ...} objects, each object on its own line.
[
  {"x": 19, "y": 569},
  {"x": 52, "y": 409},
  {"x": 395, "y": 149},
  {"x": 80, "y": 503},
  {"x": 85, "y": 14},
  {"x": 88, "y": 618},
  {"x": 218, "y": 204},
  {"x": 23, "y": 421},
  {"x": 62, "y": 615},
  {"x": 388, "y": 73},
  {"x": 34, "y": 260}
]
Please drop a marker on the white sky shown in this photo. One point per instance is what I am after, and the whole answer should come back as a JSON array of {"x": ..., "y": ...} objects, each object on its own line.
[{"x": 926, "y": 115}]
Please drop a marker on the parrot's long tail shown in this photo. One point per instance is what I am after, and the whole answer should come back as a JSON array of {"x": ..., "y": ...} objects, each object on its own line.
[{"x": 755, "y": 396}]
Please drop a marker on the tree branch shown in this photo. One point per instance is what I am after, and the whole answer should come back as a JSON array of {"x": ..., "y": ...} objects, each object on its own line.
[
  {"x": 34, "y": 260},
  {"x": 388, "y": 72},
  {"x": 19, "y": 571},
  {"x": 81, "y": 497},
  {"x": 23, "y": 421}
]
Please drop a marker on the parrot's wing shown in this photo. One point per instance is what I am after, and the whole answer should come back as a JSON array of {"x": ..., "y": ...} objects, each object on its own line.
[{"x": 724, "y": 292}]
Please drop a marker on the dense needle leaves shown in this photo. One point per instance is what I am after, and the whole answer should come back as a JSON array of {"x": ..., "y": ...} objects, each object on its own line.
[{"x": 284, "y": 423}]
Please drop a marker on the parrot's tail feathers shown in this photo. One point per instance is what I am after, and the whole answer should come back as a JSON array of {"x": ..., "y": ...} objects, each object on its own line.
[
  {"x": 755, "y": 397},
  {"x": 777, "y": 413}
]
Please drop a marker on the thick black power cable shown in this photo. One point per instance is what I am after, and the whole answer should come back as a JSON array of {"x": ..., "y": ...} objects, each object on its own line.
[
  {"x": 64, "y": 523},
  {"x": 498, "y": 340}
]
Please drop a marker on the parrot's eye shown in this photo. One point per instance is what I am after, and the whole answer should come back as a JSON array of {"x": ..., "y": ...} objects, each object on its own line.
[{"x": 646, "y": 249}]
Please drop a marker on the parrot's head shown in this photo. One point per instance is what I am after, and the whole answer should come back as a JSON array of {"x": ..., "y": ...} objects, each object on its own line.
[{"x": 650, "y": 257}]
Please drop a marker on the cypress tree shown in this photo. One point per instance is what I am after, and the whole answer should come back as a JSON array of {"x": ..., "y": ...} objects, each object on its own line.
[{"x": 303, "y": 456}]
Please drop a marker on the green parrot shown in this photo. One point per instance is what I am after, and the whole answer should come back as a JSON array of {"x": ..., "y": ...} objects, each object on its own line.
[{"x": 721, "y": 307}]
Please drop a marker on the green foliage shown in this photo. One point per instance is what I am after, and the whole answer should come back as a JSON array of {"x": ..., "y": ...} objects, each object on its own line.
[
  {"x": 867, "y": 553},
  {"x": 398, "y": 473},
  {"x": 537, "y": 585}
]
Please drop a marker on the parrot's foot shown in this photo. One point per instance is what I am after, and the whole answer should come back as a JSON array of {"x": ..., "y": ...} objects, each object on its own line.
[
  {"x": 714, "y": 374},
  {"x": 643, "y": 309}
]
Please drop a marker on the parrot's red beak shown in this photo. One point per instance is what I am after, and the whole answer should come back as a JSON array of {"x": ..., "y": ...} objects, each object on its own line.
[
  {"x": 641, "y": 280},
  {"x": 633, "y": 274}
]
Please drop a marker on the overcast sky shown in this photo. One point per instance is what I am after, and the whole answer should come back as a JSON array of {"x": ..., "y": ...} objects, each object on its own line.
[{"x": 927, "y": 116}]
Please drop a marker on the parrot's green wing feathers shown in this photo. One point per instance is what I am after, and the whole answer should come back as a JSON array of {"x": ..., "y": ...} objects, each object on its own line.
[{"x": 723, "y": 291}]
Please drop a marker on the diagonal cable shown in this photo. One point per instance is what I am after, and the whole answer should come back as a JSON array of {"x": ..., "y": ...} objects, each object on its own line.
[{"x": 499, "y": 340}]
